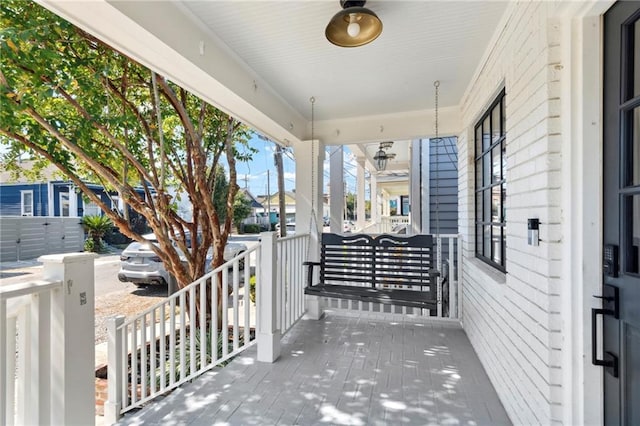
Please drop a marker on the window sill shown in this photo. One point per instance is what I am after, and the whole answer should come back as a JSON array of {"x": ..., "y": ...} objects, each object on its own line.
[{"x": 489, "y": 272}]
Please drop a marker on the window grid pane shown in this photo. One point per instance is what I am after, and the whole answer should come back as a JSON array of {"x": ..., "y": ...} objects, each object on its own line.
[{"x": 490, "y": 179}]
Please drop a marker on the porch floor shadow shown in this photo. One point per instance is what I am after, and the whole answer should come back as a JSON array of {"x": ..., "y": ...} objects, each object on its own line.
[{"x": 344, "y": 369}]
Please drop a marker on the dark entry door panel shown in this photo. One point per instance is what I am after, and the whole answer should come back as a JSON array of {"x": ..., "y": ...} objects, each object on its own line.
[{"x": 621, "y": 170}]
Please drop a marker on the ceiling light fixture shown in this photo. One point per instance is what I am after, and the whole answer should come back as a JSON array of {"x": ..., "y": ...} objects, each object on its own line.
[
  {"x": 382, "y": 157},
  {"x": 354, "y": 25}
]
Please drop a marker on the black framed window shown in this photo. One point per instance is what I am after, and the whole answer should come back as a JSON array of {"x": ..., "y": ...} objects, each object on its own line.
[{"x": 491, "y": 185}]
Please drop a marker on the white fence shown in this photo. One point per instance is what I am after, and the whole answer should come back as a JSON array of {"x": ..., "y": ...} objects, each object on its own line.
[
  {"x": 24, "y": 238},
  {"x": 47, "y": 345},
  {"x": 206, "y": 323}
]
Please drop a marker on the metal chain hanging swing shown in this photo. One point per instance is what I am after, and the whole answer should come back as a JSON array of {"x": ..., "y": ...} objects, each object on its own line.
[
  {"x": 313, "y": 222},
  {"x": 436, "y": 141}
]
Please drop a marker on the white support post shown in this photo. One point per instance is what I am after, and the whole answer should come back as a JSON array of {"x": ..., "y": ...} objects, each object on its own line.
[
  {"x": 439, "y": 281},
  {"x": 336, "y": 186},
  {"x": 268, "y": 307},
  {"x": 459, "y": 278},
  {"x": 113, "y": 404},
  {"x": 360, "y": 210},
  {"x": 453, "y": 291},
  {"x": 375, "y": 203},
  {"x": 72, "y": 337}
]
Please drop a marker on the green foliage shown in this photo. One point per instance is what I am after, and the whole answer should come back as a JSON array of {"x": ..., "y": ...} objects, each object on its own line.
[
  {"x": 252, "y": 289},
  {"x": 241, "y": 208},
  {"x": 96, "y": 227},
  {"x": 90, "y": 245},
  {"x": 68, "y": 99},
  {"x": 251, "y": 228}
]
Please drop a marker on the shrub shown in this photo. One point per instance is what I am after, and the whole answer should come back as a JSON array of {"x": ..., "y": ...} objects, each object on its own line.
[
  {"x": 252, "y": 228},
  {"x": 96, "y": 227}
]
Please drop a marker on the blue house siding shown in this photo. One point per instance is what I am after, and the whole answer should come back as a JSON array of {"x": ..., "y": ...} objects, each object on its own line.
[{"x": 10, "y": 199}]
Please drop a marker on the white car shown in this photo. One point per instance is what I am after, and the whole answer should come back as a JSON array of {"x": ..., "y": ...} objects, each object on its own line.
[{"x": 141, "y": 266}]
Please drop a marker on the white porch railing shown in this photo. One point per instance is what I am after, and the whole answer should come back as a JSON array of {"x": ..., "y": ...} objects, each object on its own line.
[
  {"x": 448, "y": 261},
  {"x": 388, "y": 223},
  {"x": 47, "y": 345},
  {"x": 292, "y": 252},
  {"x": 206, "y": 323}
]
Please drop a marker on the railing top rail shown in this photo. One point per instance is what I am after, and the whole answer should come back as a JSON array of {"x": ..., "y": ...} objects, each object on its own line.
[
  {"x": 23, "y": 289},
  {"x": 187, "y": 288},
  {"x": 293, "y": 237},
  {"x": 445, "y": 235}
]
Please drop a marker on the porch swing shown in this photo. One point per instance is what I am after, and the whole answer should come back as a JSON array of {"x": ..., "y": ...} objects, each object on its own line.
[{"x": 385, "y": 269}]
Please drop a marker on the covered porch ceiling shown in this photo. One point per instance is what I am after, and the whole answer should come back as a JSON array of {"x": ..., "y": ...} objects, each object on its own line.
[{"x": 262, "y": 61}]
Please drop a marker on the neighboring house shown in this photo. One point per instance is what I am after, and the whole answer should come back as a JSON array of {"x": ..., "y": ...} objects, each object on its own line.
[
  {"x": 51, "y": 196},
  {"x": 257, "y": 215},
  {"x": 270, "y": 203}
]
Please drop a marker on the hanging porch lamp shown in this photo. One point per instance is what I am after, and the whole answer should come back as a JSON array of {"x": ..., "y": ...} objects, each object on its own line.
[
  {"x": 381, "y": 158},
  {"x": 353, "y": 26}
]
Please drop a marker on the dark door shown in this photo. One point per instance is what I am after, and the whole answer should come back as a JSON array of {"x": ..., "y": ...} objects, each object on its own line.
[{"x": 621, "y": 290}]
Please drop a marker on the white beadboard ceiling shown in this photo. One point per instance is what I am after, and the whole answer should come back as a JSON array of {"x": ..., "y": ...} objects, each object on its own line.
[{"x": 283, "y": 43}]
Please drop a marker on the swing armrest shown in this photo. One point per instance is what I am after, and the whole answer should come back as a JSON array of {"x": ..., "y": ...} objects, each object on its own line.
[{"x": 310, "y": 265}]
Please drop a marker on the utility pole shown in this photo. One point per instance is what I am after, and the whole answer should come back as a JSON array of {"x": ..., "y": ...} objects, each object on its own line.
[{"x": 277, "y": 157}]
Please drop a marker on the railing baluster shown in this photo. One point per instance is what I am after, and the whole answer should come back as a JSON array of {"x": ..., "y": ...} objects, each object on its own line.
[
  {"x": 183, "y": 335},
  {"x": 452, "y": 288},
  {"x": 214, "y": 317},
  {"x": 134, "y": 361},
  {"x": 172, "y": 341},
  {"x": 152, "y": 352},
  {"x": 192, "y": 330},
  {"x": 236, "y": 313},
  {"x": 163, "y": 344},
  {"x": 203, "y": 323},
  {"x": 124, "y": 378},
  {"x": 143, "y": 357},
  {"x": 225, "y": 320},
  {"x": 459, "y": 276},
  {"x": 247, "y": 299}
]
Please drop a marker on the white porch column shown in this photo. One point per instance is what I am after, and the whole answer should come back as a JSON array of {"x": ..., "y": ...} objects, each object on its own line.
[
  {"x": 416, "y": 186},
  {"x": 309, "y": 181},
  {"x": 360, "y": 184},
  {"x": 336, "y": 182},
  {"x": 375, "y": 202},
  {"x": 72, "y": 337},
  {"x": 268, "y": 310}
]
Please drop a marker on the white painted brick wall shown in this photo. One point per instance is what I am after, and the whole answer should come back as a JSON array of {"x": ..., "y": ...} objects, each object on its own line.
[{"x": 513, "y": 319}]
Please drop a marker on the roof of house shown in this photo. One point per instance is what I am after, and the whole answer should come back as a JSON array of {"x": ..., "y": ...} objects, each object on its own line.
[
  {"x": 255, "y": 204},
  {"x": 289, "y": 198},
  {"x": 47, "y": 174}
]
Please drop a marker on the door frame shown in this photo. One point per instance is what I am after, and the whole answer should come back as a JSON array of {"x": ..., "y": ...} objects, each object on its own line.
[{"x": 581, "y": 71}]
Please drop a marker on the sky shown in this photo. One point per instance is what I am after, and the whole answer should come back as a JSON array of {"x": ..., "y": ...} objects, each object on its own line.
[{"x": 255, "y": 171}]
